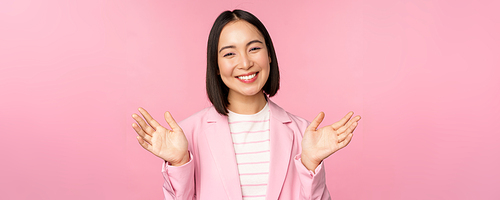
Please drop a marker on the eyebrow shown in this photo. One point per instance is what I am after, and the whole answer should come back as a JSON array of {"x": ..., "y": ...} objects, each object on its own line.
[{"x": 248, "y": 44}]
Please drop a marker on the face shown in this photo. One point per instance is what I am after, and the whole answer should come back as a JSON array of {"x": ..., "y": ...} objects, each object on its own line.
[{"x": 243, "y": 59}]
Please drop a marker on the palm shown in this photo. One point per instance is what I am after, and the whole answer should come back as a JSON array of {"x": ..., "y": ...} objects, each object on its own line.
[
  {"x": 170, "y": 145},
  {"x": 318, "y": 144},
  {"x": 322, "y": 142},
  {"x": 166, "y": 143}
]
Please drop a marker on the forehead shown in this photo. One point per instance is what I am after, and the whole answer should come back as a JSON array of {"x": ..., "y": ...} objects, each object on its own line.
[{"x": 239, "y": 31}]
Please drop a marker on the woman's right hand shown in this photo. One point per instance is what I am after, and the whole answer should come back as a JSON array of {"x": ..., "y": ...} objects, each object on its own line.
[{"x": 169, "y": 145}]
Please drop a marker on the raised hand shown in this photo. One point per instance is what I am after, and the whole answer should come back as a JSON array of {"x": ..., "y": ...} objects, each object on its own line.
[
  {"x": 169, "y": 145},
  {"x": 318, "y": 144}
]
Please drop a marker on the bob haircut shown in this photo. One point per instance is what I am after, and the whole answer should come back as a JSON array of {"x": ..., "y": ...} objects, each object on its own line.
[{"x": 217, "y": 91}]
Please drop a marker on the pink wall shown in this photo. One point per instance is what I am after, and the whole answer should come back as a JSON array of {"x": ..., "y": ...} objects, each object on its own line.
[{"x": 423, "y": 74}]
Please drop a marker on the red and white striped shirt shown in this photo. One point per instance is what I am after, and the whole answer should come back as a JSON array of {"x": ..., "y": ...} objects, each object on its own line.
[{"x": 250, "y": 135}]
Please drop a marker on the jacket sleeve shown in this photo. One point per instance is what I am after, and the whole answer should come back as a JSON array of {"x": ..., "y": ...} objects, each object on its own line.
[
  {"x": 179, "y": 181},
  {"x": 313, "y": 185}
]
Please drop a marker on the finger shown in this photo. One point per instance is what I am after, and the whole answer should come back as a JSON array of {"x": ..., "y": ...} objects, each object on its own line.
[
  {"x": 141, "y": 133},
  {"x": 348, "y": 128},
  {"x": 352, "y": 131},
  {"x": 341, "y": 137},
  {"x": 147, "y": 129},
  {"x": 349, "y": 124},
  {"x": 315, "y": 123},
  {"x": 346, "y": 141},
  {"x": 171, "y": 122},
  {"x": 148, "y": 118},
  {"x": 342, "y": 122},
  {"x": 144, "y": 144}
]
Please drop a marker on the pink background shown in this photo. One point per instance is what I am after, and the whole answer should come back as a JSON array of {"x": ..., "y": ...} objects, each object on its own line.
[{"x": 424, "y": 75}]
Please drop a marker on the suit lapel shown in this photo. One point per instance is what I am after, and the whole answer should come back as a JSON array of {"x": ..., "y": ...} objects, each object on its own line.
[
  {"x": 281, "y": 140},
  {"x": 221, "y": 147}
]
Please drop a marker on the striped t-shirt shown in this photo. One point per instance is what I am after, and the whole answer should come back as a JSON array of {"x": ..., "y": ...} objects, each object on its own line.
[{"x": 250, "y": 135}]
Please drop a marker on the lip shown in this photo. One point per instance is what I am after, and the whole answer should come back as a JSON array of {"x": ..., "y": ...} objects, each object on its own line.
[{"x": 249, "y": 80}]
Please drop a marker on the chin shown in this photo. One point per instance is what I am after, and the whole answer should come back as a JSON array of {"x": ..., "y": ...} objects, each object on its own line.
[
  {"x": 255, "y": 93},
  {"x": 250, "y": 93}
]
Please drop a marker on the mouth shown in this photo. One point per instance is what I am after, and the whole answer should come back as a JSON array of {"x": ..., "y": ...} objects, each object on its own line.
[{"x": 247, "y": 77}]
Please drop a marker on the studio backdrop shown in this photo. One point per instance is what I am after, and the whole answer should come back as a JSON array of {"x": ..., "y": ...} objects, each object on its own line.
[{"x": 424, "y": 75}]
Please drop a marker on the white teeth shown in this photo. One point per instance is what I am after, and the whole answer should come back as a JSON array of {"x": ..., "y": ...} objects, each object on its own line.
[{"x": 247, "y": 77}]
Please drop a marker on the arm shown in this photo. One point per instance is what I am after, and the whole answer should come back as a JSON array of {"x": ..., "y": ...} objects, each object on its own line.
[
  {"x": 179, "y": 181},
  {"x": 313, "y": 183}
]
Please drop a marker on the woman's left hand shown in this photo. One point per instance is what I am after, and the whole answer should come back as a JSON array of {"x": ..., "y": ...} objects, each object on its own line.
[{"x": 318, "y": 144}]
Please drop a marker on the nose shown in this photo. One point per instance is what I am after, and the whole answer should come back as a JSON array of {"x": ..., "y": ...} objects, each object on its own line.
[{"x": 245, "y": 62}]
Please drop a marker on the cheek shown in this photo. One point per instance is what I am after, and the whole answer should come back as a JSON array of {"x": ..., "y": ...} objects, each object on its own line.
[
  {"x": 264, "y": 59},
  {"x": 266, "y": 77},
  {"x": 225, "y": 69},
  {"x": 265, "y": 62}
]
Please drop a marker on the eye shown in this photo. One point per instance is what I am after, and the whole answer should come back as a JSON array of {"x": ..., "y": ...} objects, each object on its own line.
[
  {"x": 228, "y": 54},
  {"x": 255, "y": 48}
]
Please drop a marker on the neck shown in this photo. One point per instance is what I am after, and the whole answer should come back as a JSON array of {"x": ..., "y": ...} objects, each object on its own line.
[{"x": 247, "y": 105}]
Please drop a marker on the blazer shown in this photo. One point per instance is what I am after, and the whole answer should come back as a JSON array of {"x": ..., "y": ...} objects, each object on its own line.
[{"x": 212, "y": 172}]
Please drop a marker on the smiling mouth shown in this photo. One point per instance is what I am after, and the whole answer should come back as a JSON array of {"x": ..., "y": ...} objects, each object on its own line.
[{"x": 248, "y": 77}]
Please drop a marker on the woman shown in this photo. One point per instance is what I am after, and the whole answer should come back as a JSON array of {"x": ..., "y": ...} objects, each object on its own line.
[{"x": 244, "y": 146}]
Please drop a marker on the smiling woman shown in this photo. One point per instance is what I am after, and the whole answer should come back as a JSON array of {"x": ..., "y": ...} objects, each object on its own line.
[{"x": 244, "y": 146}]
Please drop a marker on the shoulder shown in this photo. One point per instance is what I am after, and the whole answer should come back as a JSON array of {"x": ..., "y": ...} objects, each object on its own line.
[
  {"x": 298, "y": 120},
  {"x": 197, "y": 118},
  {"x": 287, "y": 117}
]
